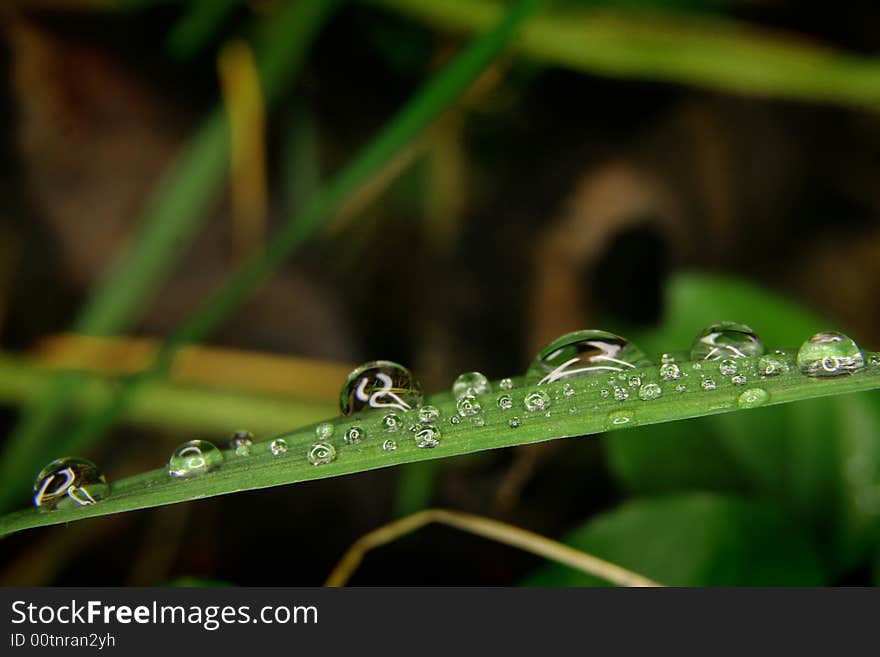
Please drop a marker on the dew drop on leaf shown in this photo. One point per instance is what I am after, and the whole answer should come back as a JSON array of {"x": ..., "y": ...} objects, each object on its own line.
[
  {"x": 321, "y": 453},
  {"x": 427, "y": 437},
  {"x": 726, "y": 340},
  {"x": 506, "y": 384},
  {"x": 428, "y": 413},
  {"x": 708, "y": 384},
  {"x": 619, "y": 419},
  {"x": 505, "y": 402},
  {"x": 354, "y": 436},
  {"x": 471, "y": 383},
  {"x": 513, "y": 423},
  {"x": 537, "y": 401},
  {"x": 584, "y": 353},
  {"x": 380, "y": 384},
  {"x": 650, "y": 391},
  {"x": 278, "y": 447},
  {"x": 241, "y": 443},
  {"x": 389, "y": 445},
  {"x": 68, "y": 483},
  {"x": 739, "y": 380},
  {"x": 468, "y": 405},
  {"x": 829, "y": 354},
  {"x": 727, "y": 367},
  {"x": 752, "y": 397},
  {"x": 621, "y": 394},
  {"x": 772, "y": 365},
  {"x": 324, "y": 431},
  {"x": 193, "y": 459},
  {"x": 392, "y": 422},
  {"x": 670, "y": 372}
]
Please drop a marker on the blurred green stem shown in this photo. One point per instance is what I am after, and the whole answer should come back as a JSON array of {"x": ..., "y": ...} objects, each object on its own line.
[{"x": 676, "y": 47}]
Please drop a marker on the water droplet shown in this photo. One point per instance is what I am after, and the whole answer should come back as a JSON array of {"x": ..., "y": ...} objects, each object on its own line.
[
  {"x": 428, "y": 413},
  {"x": 726, "y": 340},
  {"x": 322, "y": 453},
  {"x": 727, "y": 367},
  {"x": 380, "y": 384},
  {"x": 194, "y": 458},
  {"x": 505, "y": 402},
  {"x": 667, "y": 358},
  {"x": 354, "y": 436},
  {"x": 621, "y": 394},
  {"x": 537, "y": 401},
  {"x": 708, "y": 384},
  {"x": 479, "y": 421},
  {"x": 874, "y": 359},
  {"x": 584, "y": 353},
  {"x": 620, "y": 419},
  {"x": 278, "y": 447},
  {"x": 506, "y": 384},
  {"x": 670, "y": 372},
  {"x": 739, "y": 380},
  {"x": 605, "y": 393},
  {"x": 69, "y": 482},
  {"x": 468, "y": 405},
  {"x": 241, "y": 443},
  {"x": 829, "y": 354},
  {"x": 392, "y": 422},
  {"x": 324, "y": 431},
  {"x": 680, "y": 387},
  {"x": 752, "y": 397},
  {"x": 389, "y": 445},
  {"x": 635, "y": 381},
  {"x": 454, "y": 420},
  {"x": 514, "y": 422},
  {"x": 572, "y": 409},
  {"x": 650, "y": 391},
  {"x": 427, "y": 436},
  {"x": 567, "y": 390},
  {"x": 471, "y": 383},
  {"x": 772, "y": 365}
]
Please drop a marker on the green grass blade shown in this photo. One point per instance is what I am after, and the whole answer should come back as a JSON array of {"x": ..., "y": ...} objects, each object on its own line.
[
  {"x": 701, "y": 51},
  {"x": 177, "y": 210},
  {"x": 593, "y": 413}
]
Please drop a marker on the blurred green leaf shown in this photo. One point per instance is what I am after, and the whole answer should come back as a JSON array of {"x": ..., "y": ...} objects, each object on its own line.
[
  {"x": 819, "y": 459},
  {"x": 697, "y": 539}
]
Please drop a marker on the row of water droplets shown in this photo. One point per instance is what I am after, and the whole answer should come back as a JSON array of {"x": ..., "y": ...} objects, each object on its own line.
[{"x": 71, "y": 481}]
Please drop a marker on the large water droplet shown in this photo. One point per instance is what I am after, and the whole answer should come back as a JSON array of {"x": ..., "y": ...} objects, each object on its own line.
[
  {"x": 468, "y": 405},
  {"x": 584, "y": 353},
  {"x": 278, "y": 447},
  {"x": 670, "y": 371},
  {"x": 241, "y": 443},
  {"x": 537, "y": 401},
  {"x": 428, "y": 413},
  {"x": 354, "y": 436},
  {"x": 752, "y": 397},
  {"x": 471, "y": 383},
  {"x": 427, "y": 436},
  {"x": 829, "y": 354},
  {"x": 650, "y": 391},
  {"x": 321, "y": 453},
  {"x": 193, "y": 459},
  {"x": 69, "y": 482},
  {"x": 380, "y": 384},
  {"x": 726, "y": 340}
]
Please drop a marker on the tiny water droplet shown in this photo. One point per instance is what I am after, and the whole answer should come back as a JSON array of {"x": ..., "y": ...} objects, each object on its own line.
[
  {"x": 605, "y": 393},
  {"x": 241, "y": 443},
  {"x": 621, "y": 394},
  {"x": 739, "y": 380},
  {"x": 455, "y": 420},
  {"x": 726, "y": 340},
  {"x": 752, "y": 397},
  {"x": 354, "y": 436},
  {"x": 389, "y": 445},
  {"x": 193, "y": 459},
  {"x": 505, "y": 402},
  {"x": 829, "y": 354},
  {"x": 514, "y": 422},
  {"x": 468, "y": 405},
  {"x": 584, "y": 353},
  {"x": 428, "y": 413},
  {"x": 278, "y": 447},
  {"x": 471, "y": 383},
  {"x": 321, "y": 453},
  {"x": 680, "y": 387},
  {"x": 479, "y": 421},
  {"x": 708, "y": 384},
  {"x": 427, "y": 436},
  {"x": 650, "y": 391},
  {"x": 567, "y": 390},
  {"x": 727, "y": 367},
  {"x": 670, "y": 372},
  {"x": 380, "y": 384},
  {"x": 392, "y": 422},
  {"x": 619, "y": 419},
  {"x": 772, "y": 365},
  {"x": 874, "y": 359},
  {"x": 68, "y": 483},
  {"x": 635, "y": 381},
  {"x": 572, "y": 409},
  {"x": 324, "y": 431},
  {"x": 667, "y": 358},
  {"x": 506, "y": 384},
  {"x": 536, "y": 401}
]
